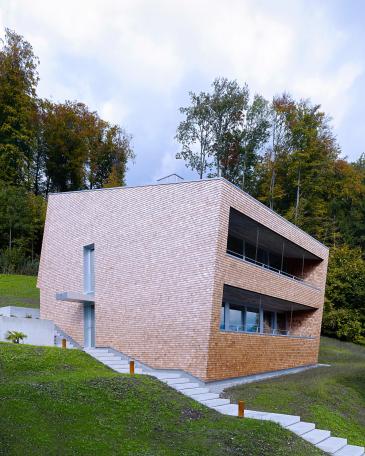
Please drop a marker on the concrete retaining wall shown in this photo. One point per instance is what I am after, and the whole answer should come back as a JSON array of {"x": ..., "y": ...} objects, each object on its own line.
[
  {"x": 39, "y": 332},
  {"x": 13, "y": 311}
]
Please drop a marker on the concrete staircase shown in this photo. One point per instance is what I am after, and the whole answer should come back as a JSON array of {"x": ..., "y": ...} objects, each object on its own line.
[
  {"x": 59, "y": 335},
  {"x": 199, "y": 391}
]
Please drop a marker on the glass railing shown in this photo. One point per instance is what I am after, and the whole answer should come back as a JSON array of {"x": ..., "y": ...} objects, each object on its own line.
[
  {"x": 263, "y": 265},
  {"x": 266, "y": 332}
]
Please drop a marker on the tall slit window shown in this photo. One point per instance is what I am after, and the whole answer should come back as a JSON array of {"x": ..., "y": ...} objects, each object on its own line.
[{"x": 89, "y": 269}]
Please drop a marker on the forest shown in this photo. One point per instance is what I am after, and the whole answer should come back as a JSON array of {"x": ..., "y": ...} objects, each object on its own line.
[{"x": 283, "y": 152}]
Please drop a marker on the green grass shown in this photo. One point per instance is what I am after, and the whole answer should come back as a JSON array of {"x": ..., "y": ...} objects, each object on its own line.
[
  {"x": 18, "y": 290},
  {"x": 332, "y": 397},
  {"x": 62, "y": 402}
]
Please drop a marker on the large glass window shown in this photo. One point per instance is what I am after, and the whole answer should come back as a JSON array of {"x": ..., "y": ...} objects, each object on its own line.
[
  {"x": 281, "y": 327},
  {"x": 247, "y": 319},
  {"x": 252, "y": 320},
  {"x": 269, "y": 322},
  {"x": 222, "y": 324},
  {"x": 235, "y": 246},
  {"x": 236, "y": 319}
]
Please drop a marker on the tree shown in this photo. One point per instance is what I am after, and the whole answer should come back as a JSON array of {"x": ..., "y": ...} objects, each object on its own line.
[
  {"x": 14, "y": 216},
  {"x": 297, "y": 175},
  {"x": 244, "y": 146},
  {"x": 16, "y": 336},
  {"x": 109, "y": 152},
  {"x": 346, "y": 278},
  {"x": 82, "y": 150},
  {"x": 228, "y": 102},
  {"x": 18, "y": 104},
  {"x": 222, "y": 132},
  {"x": 195, "y": 134}
]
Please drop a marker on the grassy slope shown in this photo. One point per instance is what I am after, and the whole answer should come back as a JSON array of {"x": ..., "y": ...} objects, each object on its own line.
[
  {"x": 18, "y": 290},
  {"x": 332, "y": 397},
  {"x": 57, "y": 402}
]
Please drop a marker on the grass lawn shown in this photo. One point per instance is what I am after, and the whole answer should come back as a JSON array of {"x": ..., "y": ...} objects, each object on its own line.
[
  {"x": 18, "y": 290},
  {"x": 62, "y": 402},
  {"x": 332, "y": 397}
]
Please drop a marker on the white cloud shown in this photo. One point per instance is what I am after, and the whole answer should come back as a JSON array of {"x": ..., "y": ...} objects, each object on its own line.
[{"x": 133, "y": 60}]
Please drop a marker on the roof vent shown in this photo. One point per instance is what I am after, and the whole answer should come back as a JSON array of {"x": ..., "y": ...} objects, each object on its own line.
[{"x": 170, "y": 179}]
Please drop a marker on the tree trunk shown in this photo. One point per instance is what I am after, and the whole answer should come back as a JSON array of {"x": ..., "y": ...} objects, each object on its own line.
[
  {"x": 244, "y": 173},
  {"x": 298, "y": 198}
]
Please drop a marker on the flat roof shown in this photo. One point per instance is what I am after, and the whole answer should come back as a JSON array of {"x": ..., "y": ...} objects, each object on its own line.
[{"x": 184, "y": 182}]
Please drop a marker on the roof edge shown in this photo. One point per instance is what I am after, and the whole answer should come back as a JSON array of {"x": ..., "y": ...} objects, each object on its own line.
[
  {"x": 184, "y": 182},
  {"x": 273, "y": 212}
]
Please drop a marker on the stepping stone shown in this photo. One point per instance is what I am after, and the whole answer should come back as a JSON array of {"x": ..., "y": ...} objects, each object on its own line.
[
  {"x": 194, "y": 391},
  {"x": 332, "y": 444},
  {"x": 214, "y": 402},
  {"x": 301, "y": 428},
  {"x": 316, "y": 436},
  {"x": 229, "y": 409},
  {"x": 350, "y": 450},
  {"x": 183, "y": 386},
  {"x": 175, "y": 381},
  {"x": 284, "y": 420},
  {"x": 204, "y": 396}
]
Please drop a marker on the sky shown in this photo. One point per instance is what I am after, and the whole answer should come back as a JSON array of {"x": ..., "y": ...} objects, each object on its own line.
[{"x": 135, "y": 61}]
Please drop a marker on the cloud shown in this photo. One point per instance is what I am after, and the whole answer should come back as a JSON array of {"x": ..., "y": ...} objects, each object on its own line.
[
  {"x": 332, "y": 89},
  {"x": 135, "y": 60}
]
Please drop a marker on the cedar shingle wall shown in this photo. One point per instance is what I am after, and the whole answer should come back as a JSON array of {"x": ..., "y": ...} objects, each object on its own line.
[
  {"x": 233, "y": 355},
  {"x": 154, "y": 266},
  {"x": 160, "y": 267}
]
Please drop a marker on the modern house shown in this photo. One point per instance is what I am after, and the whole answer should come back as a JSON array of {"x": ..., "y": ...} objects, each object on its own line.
[{"x": 196, "y": 275}]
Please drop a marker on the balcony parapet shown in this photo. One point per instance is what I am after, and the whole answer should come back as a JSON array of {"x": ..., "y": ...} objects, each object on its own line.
[{"x": 271, "y": 269}]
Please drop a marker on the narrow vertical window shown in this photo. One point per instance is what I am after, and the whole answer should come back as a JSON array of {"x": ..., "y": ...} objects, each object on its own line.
[{"x": 89, "y": 269}]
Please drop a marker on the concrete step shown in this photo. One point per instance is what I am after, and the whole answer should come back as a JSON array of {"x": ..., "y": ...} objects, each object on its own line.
[
  {"x": 301, "y": 428},
  {"x": 195, "y": 391},
  {"x": 204, "y": 396},
  {"x": 118, "y": 366},
  {"x": 177, "y": 381},
  {"x": 183, "y": 386},
  {"x": 350, "y": 450},
  {"x": 316, "y": 436},
  {"x": 107, "y": 357},
  {"x": 214, "y": 402},
  {"x": 95, "y": 351},
  {"x": 165, "y": 376},
  {"x": 114, "y": 361},
  {"x": 126, "y": 371},
  {"x": 332, "y": 444},
  {"x": 256, "y": 415},
  {"x": 229, "y": 409},
  {"x": 284, "y": 420}
]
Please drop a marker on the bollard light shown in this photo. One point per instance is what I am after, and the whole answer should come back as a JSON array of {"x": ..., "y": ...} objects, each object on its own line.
[
  {"x": 131, "y": 367},
  {"x": 63, "y": 343},
  {"x": 241, "y": 409}
]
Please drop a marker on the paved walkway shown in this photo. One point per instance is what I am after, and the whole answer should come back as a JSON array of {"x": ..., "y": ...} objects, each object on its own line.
[{"x": 197, "y": 390}]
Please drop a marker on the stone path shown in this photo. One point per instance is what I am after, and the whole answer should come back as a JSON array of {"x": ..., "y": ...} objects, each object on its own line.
[{"x": 199, "y": 391}]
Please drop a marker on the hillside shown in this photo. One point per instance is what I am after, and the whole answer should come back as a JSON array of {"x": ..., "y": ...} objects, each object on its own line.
[
  {"x": 332, "y": 397},
  {"x": 64, "y": 402},
  {"x": 18, "y": 290}
]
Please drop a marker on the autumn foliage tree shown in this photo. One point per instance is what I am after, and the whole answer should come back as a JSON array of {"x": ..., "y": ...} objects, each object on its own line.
[
  {"x": 44, "y": 147},
  {"x": 285, "y": 154}
]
